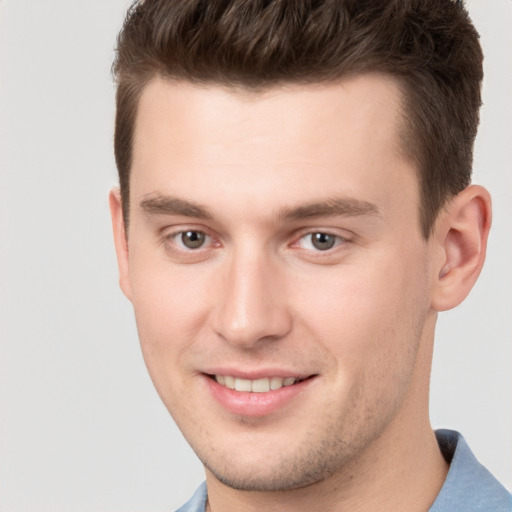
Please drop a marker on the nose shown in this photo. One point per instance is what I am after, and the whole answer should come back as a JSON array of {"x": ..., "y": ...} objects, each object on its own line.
[{"x": 252, "y": 303}]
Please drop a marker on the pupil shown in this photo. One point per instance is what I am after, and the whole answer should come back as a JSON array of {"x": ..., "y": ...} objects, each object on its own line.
[
  {"x": 322, "y": 241},
  {"x": 192, "y": 239}
]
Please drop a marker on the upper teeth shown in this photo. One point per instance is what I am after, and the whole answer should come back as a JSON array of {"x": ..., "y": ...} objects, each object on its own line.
[{"x": 256, "y": 386}]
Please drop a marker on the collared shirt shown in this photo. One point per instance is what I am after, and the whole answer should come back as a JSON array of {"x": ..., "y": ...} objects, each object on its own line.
[{"x": 468, "y": 487}]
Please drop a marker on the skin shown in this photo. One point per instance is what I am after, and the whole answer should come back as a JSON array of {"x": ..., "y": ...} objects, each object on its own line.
[{"x": 259, "y": 298}]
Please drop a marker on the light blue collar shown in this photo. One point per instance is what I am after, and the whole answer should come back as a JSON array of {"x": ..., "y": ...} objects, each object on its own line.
[{"x": 468, "y": 487}]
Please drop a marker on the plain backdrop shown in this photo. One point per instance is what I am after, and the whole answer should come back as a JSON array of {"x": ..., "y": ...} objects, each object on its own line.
[{"x": 81, "y": 426}]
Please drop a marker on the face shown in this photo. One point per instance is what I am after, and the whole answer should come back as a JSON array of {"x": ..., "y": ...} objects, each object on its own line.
[{"x": 278, "y": 275}]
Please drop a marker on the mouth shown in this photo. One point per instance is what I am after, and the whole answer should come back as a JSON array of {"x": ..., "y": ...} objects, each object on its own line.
[
  {"x": 263, "y": 385},
  {"x": 257, "y": 397}
]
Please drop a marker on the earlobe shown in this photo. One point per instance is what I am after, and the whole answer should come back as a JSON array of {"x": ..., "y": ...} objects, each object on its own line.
[
  {"x": 120, "y": 240},
  {"x": 461, "y": 233}
]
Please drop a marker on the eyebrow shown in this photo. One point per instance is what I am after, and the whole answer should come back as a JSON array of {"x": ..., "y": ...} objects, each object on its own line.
[
  {"x": 170, "y": 205},
  {"x": 329, "y": 208}
]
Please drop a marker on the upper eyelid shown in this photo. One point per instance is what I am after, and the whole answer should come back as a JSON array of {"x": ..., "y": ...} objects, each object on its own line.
[
  {"x": 341, "y": 238},
  {"x": 172, "y": 233},
  {"x": 330, "y": 232},
  {"x": 181, "y": 231},
  {"x": 344, "y": 234},
  {"x": 183, "y": 228}
]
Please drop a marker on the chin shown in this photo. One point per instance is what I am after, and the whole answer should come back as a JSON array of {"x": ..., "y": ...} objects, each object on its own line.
[
  {"x": 284, "y": 478},
  {"x": 271, "y": 470}
]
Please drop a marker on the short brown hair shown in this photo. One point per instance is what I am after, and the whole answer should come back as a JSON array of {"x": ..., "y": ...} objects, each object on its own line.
[{"x": 429, "y": 46}]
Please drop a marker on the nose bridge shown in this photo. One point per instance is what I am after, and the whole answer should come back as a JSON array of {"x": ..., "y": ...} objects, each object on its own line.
[{"x": 251, "y": 302}]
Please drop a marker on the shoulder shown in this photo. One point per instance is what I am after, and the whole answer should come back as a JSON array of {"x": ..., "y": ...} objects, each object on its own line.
[{"x": 468, "y": 487}]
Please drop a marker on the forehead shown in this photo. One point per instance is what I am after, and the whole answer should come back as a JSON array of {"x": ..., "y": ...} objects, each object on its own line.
[
  {"x": 371, "y": 101},
  {"x": 302, "y": 138}
]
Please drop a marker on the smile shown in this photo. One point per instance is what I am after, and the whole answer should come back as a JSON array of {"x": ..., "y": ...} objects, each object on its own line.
[
  {"x": 257, "y": 397},
  {"x": 263, "y": 385}
]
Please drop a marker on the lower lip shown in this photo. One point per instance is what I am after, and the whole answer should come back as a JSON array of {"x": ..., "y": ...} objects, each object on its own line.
[{"x": 255, "y": 404}]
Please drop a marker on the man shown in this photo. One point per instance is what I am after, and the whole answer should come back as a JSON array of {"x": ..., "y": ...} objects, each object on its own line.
[{"x": 294, "y": 210}]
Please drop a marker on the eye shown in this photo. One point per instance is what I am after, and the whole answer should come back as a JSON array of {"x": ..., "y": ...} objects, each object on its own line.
[
  {"x": 191, "y": 239},
  {"x": 319, "y": 241},
  {"x": 188, "y": 244}
]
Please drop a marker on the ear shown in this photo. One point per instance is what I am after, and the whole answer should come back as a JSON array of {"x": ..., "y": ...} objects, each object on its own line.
[
  {"x": 461, "y": 235},
  {"x": 120, "y": 241}
]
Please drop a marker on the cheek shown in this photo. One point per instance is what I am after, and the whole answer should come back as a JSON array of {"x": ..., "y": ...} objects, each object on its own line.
[
  {"x": 169, "y": 313},
  {"x": 166, "y": 297},
  {"x": 370, "y": 317}
]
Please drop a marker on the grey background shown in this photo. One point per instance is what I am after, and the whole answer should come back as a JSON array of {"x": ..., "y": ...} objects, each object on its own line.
[{"x": 81, "y": 427}]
